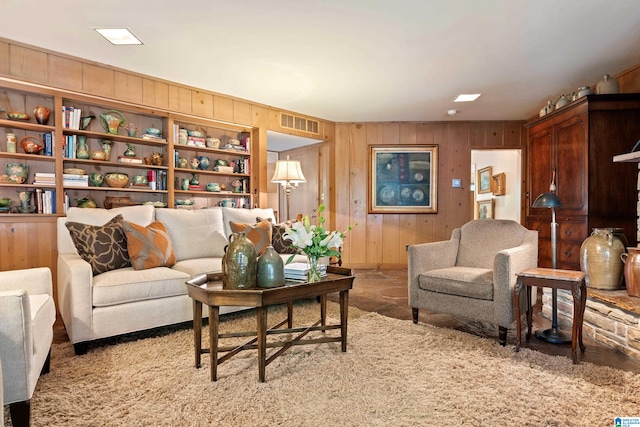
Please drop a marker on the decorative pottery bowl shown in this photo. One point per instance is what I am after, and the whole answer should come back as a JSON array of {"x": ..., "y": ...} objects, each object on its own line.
[
  {"x": 5, "y": 202},
  {"x": 234, "y": 141},
  {"x": 116, "y": 201},
  {"x": 213, "y": 143},
  {"x": 98, "y": 155},
  {"x": 74, "y": 171},
  {"x": 221, "y": 162},
  {"x": 140, "y": 180},
  {"x": 196, "y": 134},
  {"x": 213, "y": 186},
  {"x": 148, "y": 161},
  {"x": 184, "y": 202},
  {"x": 32, "y": 147},
  {"x": 226, "y": 203},
  {"x": 116, "y": 179},
  {"x": 16, "y": 115},
  {"x": 153, "y": 131},
  {"x": 18, "y": 172}
]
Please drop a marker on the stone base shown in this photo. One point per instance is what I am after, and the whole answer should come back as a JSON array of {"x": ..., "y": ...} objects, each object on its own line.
[{"x": 611, "y": 317}]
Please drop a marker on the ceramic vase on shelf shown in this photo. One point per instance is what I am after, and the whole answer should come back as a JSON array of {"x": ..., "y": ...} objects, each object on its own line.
[
  {"x": 41, "y": 114},
  {"x": 239, "y": 263},
  {"x": 82, "y": 150},
  {"x": 270, "y": 269},
  {"x": 631, "y": 262},
  {"x": 600, "y": 259},
  {"x": 106, "y": 147},
  {"x": 607, "y": 85}
]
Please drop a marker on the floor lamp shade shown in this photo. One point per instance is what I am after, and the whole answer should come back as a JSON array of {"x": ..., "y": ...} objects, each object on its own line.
[{"x": 288, "y": 173}]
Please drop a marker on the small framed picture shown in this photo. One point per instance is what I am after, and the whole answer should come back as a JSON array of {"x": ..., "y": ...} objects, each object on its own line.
[
  {"x": 484, "y": 180},
  {"x": 498, "y": 184},
  {"x": 485, "y": 209}
]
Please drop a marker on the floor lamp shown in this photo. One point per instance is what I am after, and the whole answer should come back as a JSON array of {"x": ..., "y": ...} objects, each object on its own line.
[
  {"x": 289, "y": 174},
  {"x": 553, "y": 334}
]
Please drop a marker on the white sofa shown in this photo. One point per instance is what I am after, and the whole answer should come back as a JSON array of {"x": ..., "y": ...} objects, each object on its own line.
[{"x": 126, "y": 300}]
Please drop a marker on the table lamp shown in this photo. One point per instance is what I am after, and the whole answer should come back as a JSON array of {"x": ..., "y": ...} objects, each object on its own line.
[
  {"x": 289, "y": 174},
  {"x": 553, "y": 334}
]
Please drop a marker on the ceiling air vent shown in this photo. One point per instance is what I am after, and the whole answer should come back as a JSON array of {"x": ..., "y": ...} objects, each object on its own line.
[{"x": 299, "y": 123}]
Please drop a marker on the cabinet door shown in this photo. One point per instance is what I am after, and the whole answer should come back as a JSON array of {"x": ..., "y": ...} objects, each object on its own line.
[
  {"x": 540, "y": 167},
  {"x": 571, "y": 151}
]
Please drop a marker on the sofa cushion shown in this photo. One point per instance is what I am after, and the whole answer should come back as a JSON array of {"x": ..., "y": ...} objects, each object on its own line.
[
  {"x": 259, "y": 234},
  {"x": 197, "y": 266},
  {"x": 279, "y": 243},
  {"x": 149, "y": 246},
  {"x": 143, "y": 215},
  {"x": 127, "y": 285},
  {"x": 247, "y": 216},
  {"x": 481, "y": 239},
  {"x": 460, "y": 281},
  {"x": 194, "y": 233},
  {"x": 103, "y": 247}
]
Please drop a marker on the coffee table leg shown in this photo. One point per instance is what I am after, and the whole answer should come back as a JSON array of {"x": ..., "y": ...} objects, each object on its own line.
[
  {"x": 261, "y": 313},
  {"x": 214, "y": 322},
  {"x": 323, "y": 310},
  {"x": 344, "y": 314},
  {"x": 290, "y": 314},
  {"x": 197, "y": 330}
]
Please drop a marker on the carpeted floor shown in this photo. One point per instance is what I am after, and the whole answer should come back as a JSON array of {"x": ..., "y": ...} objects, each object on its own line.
[{"x": 394, "y": 373}]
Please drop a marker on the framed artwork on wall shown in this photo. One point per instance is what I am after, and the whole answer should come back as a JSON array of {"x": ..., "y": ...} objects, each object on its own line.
[
  {"x": 484, "y": 180},
  {"x": 498, "y": 184},
  {"x": 485, "y": 209},
  {"x": 403, "y": 179}
]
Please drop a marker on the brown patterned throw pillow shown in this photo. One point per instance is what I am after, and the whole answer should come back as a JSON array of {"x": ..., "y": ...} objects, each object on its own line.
[
  {"x": 279, "y": 243},
  {"x": 103, "y": 247},
  {"x": 149, "y": 246},
  {"x": 259, "y": 234}
]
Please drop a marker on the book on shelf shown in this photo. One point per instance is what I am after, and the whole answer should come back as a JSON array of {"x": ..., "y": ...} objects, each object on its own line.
[
  {"x": 71, "y": 117},
  {"x": 47, "y": 138},
  {"x": 132, "y": 160},
  {"x": 152, "y": 137},
  {"x": 74, "y": 180}
]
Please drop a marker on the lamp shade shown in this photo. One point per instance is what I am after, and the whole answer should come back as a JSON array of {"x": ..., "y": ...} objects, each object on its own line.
[
  {"x": 288, "y": 172},
  {"x": 547, "y": 200}
]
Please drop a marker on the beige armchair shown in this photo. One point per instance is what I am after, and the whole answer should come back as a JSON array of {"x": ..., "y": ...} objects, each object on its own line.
[
  {"x": 27, "y": 315},
  {"x": 473, "y": 274}
]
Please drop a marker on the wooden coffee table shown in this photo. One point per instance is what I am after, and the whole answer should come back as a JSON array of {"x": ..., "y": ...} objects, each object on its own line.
[{"x": 207, "y": 289}]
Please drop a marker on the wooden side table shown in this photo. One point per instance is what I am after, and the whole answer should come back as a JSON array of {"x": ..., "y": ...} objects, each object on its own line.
[{"x": 559, "y": 279}]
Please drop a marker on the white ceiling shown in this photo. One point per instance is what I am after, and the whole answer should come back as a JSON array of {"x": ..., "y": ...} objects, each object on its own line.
[{"x": 353, "y": 60}]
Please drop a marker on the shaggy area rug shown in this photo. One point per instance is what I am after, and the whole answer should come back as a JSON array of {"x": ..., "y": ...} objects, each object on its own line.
[{"x": 394, "y": 373}]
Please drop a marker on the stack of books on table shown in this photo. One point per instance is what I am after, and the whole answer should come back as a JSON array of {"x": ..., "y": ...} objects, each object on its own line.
[
  {"x": 74, "y": 180},
  {"x": 299, "y": 271}
]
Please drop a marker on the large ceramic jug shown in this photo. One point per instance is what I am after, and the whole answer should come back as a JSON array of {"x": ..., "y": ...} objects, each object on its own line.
[
  {"x": 270, "y": 269},
  {"x": 632, "y": 271},
  {"x": 600, "y": 259},
  {"x": 239, "y": 263}
]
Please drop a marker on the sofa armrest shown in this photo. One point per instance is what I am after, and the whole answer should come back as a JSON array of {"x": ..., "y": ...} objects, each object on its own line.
[
  {"x": 75, "y": 296},
  {"x": 33, "y": 280},
  {"x": 16, "y": 341}
]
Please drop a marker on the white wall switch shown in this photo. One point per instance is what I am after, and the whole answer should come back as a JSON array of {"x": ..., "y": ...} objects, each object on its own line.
[{"x": 456, "y": 183}]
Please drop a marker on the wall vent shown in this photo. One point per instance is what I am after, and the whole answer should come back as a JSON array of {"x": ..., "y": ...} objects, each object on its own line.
[{"x": 299, "y": 123}]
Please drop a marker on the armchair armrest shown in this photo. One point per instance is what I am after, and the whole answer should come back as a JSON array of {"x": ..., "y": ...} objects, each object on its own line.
[
  {"x": 33, "y": 280},
  {"x": 507, "y": 264},
  {"x": 16, "y": 341},
  {"x": 75, "y": 296},
  {"x": 431, "y": 256}
]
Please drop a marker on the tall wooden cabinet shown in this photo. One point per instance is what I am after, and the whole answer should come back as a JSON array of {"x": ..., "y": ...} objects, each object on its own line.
[{"x": 578, "y": 142}]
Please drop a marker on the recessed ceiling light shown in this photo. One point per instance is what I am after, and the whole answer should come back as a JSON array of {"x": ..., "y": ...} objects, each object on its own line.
[
  {"x": 452, "y": 112},
  {"x": 466, "y": 97},
  {"x": 118, "y": 36}
]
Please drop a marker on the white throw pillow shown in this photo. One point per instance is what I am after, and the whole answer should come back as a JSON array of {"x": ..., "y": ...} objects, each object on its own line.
[{"x": 194, "y": 233}]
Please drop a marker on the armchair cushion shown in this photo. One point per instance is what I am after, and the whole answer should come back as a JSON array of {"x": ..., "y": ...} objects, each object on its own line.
[
  {"x": 480, "y": 240},
  {"x": 103, "y": 247},
  {"x": 462, "y": 281}
]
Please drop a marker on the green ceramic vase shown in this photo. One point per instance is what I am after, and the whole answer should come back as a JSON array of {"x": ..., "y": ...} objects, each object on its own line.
[
  {"x": 270, "y": 269},
  {"x": 239, "y": 263}
]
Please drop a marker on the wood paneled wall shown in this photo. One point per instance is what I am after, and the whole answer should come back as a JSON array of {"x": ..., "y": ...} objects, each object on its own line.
[{"x": 379, "y": 240}]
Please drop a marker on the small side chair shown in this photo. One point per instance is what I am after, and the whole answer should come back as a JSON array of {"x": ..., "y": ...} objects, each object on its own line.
[{"x": 27, "y": 315}]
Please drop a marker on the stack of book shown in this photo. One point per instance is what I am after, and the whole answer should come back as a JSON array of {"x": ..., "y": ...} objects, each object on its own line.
[
  {"x": 299, "y": 271},
  {"x": 153, "y": 137},
  {"x": 129, "y": 159},
  {"x": 74, "y": 180},
  {"x": 44, "y": 178}
]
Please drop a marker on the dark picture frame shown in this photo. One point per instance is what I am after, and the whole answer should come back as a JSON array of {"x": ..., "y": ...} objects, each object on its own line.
[{"x": 403, "y": 179}]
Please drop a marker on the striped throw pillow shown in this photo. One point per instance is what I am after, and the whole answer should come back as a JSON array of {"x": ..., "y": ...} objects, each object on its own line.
[{"x": 149, "y": 246}]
